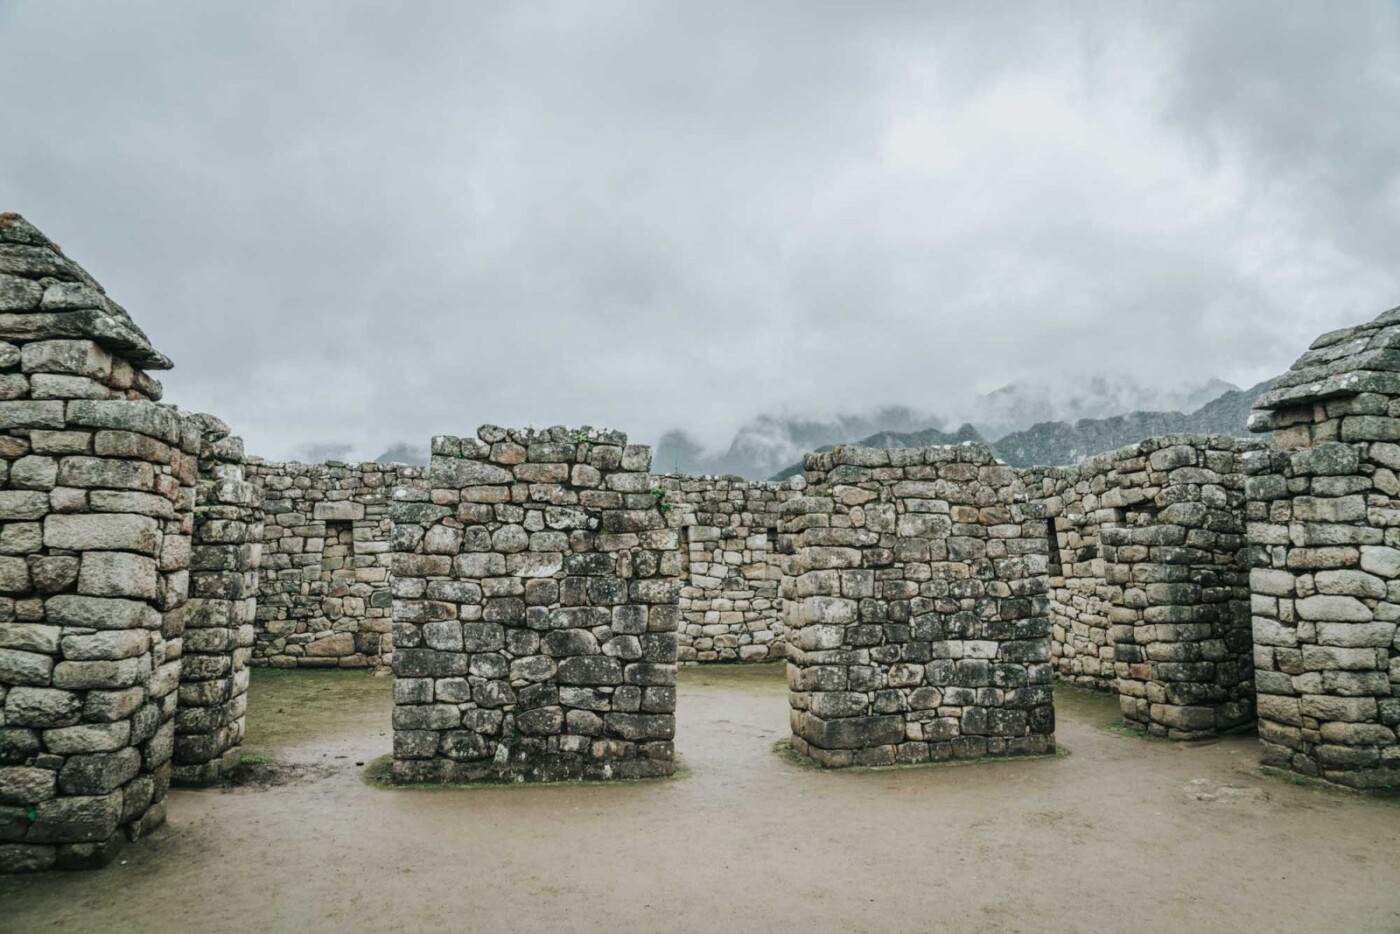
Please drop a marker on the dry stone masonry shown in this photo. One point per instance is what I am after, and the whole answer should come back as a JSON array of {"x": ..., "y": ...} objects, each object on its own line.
[
  {"x": 218, "y": 641},
  {"x": 325, "y": 595},
  {"x": 535, "y": 612},
  {"x": 731, "y": 608},
  {"x": 534, "y": 590},
  {"x": 1150, "y": 582},
  {"x": 1324, "y": 518},
  {"x": 96, "y": 497},
  {"x": 915, "y": 587}
]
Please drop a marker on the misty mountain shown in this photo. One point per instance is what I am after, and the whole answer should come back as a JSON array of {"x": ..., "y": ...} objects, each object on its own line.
[
  {"x": 929, "y": 437},
  {"x": 403, "y": 452},
  {"x": 771, "y": 444},
  {"x": 1054, "y": 443},
  {"x": 1020, "y": 406},
  {"x": 1057, "y": 443}
]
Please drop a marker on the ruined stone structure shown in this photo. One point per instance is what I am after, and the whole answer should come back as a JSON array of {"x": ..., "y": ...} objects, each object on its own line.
[
  {"x": 1324, "y": 518},
  {"x": 95, "y": 525},
  {"x": 1149, "y": 580},
  {"x": 325, "y": 595},
  {"x": 535, "y": 590},
  {"x": 223, "y": 591},
  {"x": 535, "y": 616},
  {"x": 731, "y": 608},
  {"x": 915, "y": 583}
]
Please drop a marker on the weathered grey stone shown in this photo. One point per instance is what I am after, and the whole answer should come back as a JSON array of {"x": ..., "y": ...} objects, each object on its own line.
[
  {"x": 25, "y": 668},
  {"x": 99, "y": 774},
  {"x": 117, "y": 574},
  {"x": 102, "y": 533},
  {"x": 24, "y": 785},
  {"x": 101, "y": 612},
  {"x": 42, "y": 707}
]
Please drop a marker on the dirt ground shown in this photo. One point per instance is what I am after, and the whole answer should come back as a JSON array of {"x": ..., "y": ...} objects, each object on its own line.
[{"x": 1123, "y": 833}]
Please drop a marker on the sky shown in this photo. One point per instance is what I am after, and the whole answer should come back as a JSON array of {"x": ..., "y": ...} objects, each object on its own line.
[{"x": 353, "y": 223}]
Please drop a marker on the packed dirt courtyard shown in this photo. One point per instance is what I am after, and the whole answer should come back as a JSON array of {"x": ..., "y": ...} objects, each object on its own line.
[{"x": 1119, "y": 833}]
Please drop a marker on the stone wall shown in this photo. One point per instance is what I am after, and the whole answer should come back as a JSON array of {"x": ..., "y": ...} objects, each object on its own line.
[
  {"x": 1324, "y": 512},
  {"x": 218, "y": 642},
  {"x": 324, "y": 593},
  {"x": 915, "y": 587},
  {"x": 1149, "y": 582},
  {"x": 731, "y": 608},
  {"x": 96, "y": 497},
  {"x": 535, "y": 589}
]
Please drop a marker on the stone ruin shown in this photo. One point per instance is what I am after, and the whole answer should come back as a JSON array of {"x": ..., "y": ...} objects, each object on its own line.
[
  {"x": 730, "y": 602},
  {"x": 325, "y": 599},
  {"x": 916, "y": 584},
  {"x": 1324, "y": 529},
  {"x": 97, "y": 519},
  {"x": 535, "y": 588},
  {"x": 1149, "y": 582},
  {"x": 533, "y": 591}
]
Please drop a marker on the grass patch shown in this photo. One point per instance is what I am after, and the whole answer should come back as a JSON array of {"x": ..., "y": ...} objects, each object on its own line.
[
  {"x": 287, "y": 706},
  {"x": 784, "y": 750},
  {"x": 379, "y": 774},
  {"x": 1123, "y": 729},
  {"x": 254, "y": 759},
  {"x": 1386, "y": 795},
  {"x": 763, "y": 677}
]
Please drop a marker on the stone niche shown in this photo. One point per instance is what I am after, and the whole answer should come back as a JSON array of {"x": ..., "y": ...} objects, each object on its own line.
[
  {"x": 535, "y": 612},
  {"x": 731, "y": 607},
  {"x": 1324, "y": 522},
  {"x": 915, "y": 586},
  {"x": 96, "y": 499},
  {"x": 1150, "y": 582},
  {"x": 324, "y": 593}
]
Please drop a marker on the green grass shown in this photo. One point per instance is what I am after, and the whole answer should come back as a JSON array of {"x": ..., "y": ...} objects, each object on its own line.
[
  {"x": 765, "y": 677},
  {"x": 378, "y": 774},
  {"x": 287, "y": 706},
  {"x": 1386, "y": 795},
  {"x": 783, "y": 748}
]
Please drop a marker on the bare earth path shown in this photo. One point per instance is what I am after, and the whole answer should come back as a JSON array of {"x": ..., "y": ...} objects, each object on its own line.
[{"x": 1123, "y": 834}]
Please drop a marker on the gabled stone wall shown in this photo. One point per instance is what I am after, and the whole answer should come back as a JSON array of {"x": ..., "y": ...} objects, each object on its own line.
[
  {"x": 324, "y": 592},
  {"x": 915, "y": 587},
  {"x": 731, "y": 607},
  {"x": 96, "y": 497},
  {"x": 1149, "y": 582},
  {"x": 535, "y": 589},
  {"x": 1324, "y": 518}
]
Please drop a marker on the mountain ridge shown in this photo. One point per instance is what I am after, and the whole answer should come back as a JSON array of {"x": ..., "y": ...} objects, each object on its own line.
[{"x": 1050, "y": 444}]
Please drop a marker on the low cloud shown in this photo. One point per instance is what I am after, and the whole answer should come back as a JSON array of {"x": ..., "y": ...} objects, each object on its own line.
[{"x": 352, "y": 226}]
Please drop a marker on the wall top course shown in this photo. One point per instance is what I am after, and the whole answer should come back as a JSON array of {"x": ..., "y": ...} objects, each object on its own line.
[
  {"x": 47, "y": 295},
  {"x": 1346, "y": 362}
]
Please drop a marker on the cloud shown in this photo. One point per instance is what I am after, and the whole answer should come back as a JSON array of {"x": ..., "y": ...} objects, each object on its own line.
[{"x": 352, "y": 223}]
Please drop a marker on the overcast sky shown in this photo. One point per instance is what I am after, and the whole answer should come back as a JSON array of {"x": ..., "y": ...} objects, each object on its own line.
[{"x": 369, "y": 222}]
